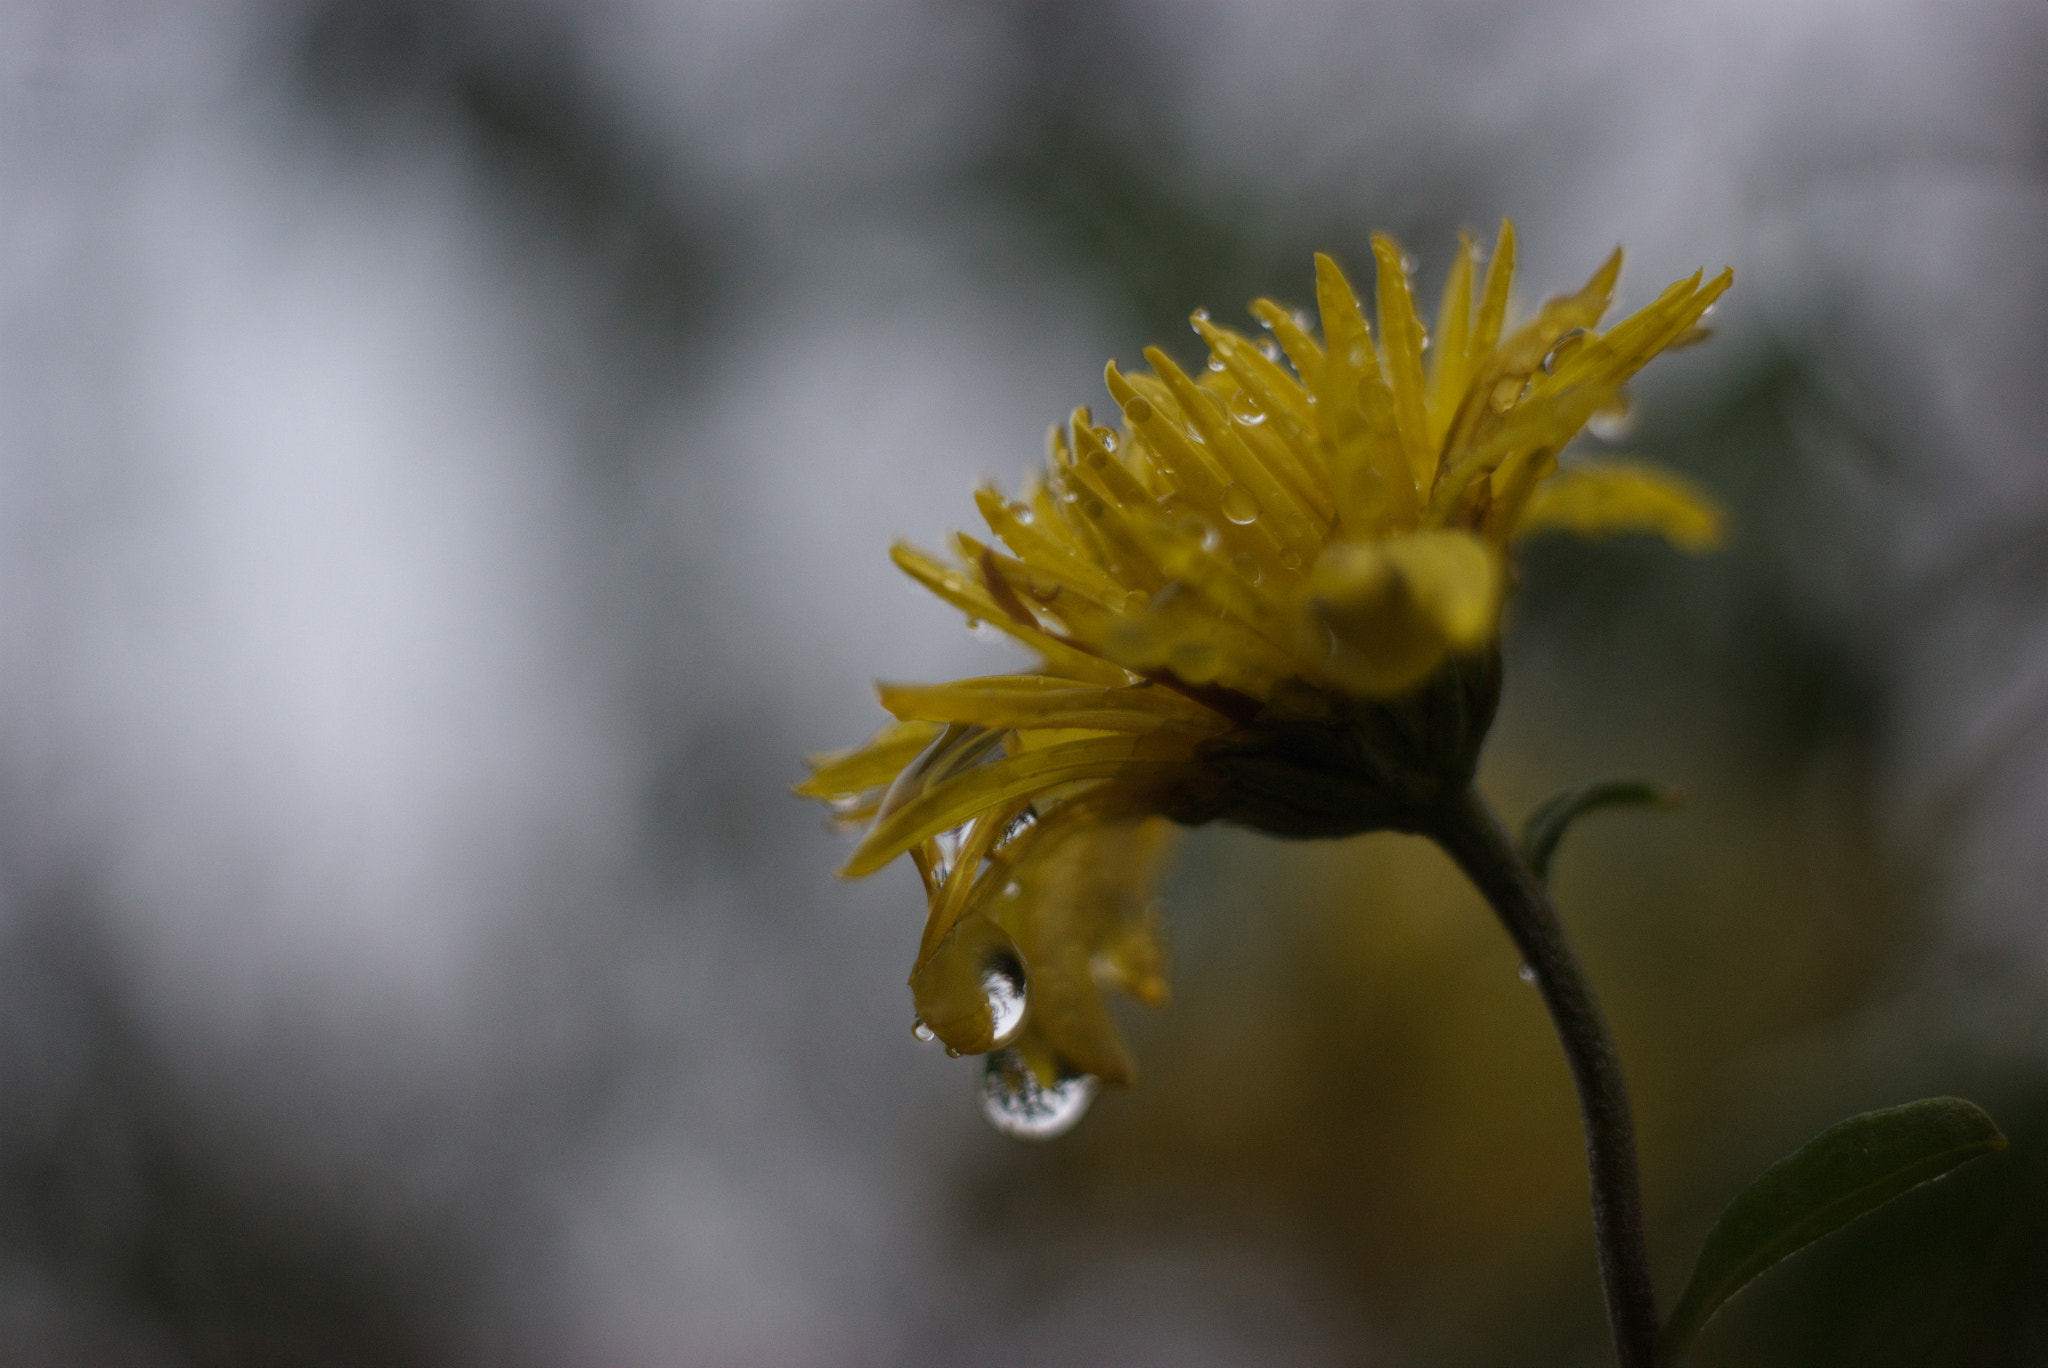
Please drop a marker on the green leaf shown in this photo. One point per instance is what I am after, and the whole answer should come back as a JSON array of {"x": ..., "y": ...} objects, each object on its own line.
[
  {"x": 1845, "y": 1171},
  {"x": 1546, "y": 823}
]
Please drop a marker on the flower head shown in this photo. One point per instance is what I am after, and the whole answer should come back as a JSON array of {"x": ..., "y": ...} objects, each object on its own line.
[{"x": 1270, "y": 595}]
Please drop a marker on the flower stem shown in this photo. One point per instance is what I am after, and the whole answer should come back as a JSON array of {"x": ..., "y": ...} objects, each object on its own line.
[{"x": 1470, "y": 833}]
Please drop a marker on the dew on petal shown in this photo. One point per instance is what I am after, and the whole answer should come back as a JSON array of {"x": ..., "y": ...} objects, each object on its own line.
[
  {"x": 923, "y": 1032},
  {"x": 1018, "y": 1105},
  {"x": 1268, "y": 348},
  {"x": 1240, "y": 505},
  {"x": 1527, "y": 973},
  {"x": 1245, "y": 409}
]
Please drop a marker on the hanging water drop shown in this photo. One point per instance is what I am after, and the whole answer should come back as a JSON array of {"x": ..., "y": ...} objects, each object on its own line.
[
  {"x": 924, "y": 1033},
  {"x": 1018, "y": 1105},
  {"x": 1240, "y": 505},
  {"x": 952, "y": 1052},
  {"x": 1612, "y": 423},
  {"x": 1268, "y": 348},
  {"x": 1200, "y": 316},
  {"x": 1215, "y": 364},
  {"x": 1527, "y": 973},
  {"x": 1023, "y": 513}
]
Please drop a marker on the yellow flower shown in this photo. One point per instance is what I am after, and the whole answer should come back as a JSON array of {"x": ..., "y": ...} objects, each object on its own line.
[{"x": 1270, "y": 595}]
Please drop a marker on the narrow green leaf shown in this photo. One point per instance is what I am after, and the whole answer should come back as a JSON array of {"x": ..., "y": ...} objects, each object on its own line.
[
  {"x": 1845, "y": 1171},
  {"x": 1547, "y": 821}
]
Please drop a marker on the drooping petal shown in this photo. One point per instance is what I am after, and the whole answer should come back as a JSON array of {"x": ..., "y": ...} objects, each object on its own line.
[
  {"x": 1390, "y": 610},
  {"x": 1078, "y": 906},
  {"x": 844, "y": 773},
  {"x": 1618, "y": 496},
  {"x": 957, "y": 799}
]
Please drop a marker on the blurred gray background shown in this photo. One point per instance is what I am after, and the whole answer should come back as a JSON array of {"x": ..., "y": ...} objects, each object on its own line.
[{"x": 447, "y": 460}]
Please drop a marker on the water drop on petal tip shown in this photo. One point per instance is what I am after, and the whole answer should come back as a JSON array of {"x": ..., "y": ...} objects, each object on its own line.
[
  {"x": 1018, "y": 1105},
  {"x": 952, "y": 1053},
  {"x": 922, "y": 1031},
  {"x": 1201, "y": 316}
]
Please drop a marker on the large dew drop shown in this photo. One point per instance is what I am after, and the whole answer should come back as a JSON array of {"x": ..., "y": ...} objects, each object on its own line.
[
  {"x": 1003, "y": 983},
  {"x": 1016, "y": 1104}
]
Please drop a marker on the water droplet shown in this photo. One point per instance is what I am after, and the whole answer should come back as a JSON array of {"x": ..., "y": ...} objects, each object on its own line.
[
  {"x": 1095, "y": 508},
  {"x": 1201, "y": 316},
  {"x": 1108, "y": 440},
  {"x": 1245, "y": 409},
  {"x": 1289, "y": 561},
  {"x": 1268, "y": 348},
  {"x": 1563, "y": 348},
  {"x": 1407, "y": 264},
  {"x": 1023, "y": 513},
  {"x": 953, "y": 580},
  {"x": 1425, "y": 342},
  {"x": 1003, "y": 983},
  {"x": 1527, "y": 973},
  {"x": 1018, "y": 1105},
  {"x": 952, "y": 1053},
  {"x": 922, "y": 1031},
  {"x": 1017, "y": 826},
  {"x": 1139, "y": 410},
  {"x": 1611, "y": 424},
  {"x": 974, "y": 624},
  {"x": 1247, "y": 569},
  {"x": 1215, "y": 364},
  {"x": 1013, "y": 889},
  {"x": 1240, "y": 505},
  {"x": 1302, "y": 320},
  {"x": 945, "y": 849}
]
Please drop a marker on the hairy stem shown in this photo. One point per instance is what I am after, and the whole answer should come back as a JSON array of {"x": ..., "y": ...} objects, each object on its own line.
[{"x": 1468, "y": 830}]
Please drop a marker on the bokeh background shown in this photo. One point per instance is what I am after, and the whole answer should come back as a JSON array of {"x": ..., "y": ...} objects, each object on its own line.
[{"x": 447, "y": 456}]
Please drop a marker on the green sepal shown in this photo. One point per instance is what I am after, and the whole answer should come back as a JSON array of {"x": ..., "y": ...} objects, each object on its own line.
[
  {"x": 1842, "y": 1173},
  {"x": 1547, "y": 822}
]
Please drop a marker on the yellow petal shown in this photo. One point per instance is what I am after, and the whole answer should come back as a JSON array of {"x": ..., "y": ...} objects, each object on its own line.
[
  {"x": 960, "y": 797},
  {"x": 955, "y": 588},
  {"x": 1401, "y": 335},
  {"x": 951, "y": 987},
  {"x": 1134, "y": 708},
  {"x": 844, "y": 773},
  {"x": 1448, "y": 364},
  {"x": 1616, "y": 497},
  {"x": 1392, "y": 609}
]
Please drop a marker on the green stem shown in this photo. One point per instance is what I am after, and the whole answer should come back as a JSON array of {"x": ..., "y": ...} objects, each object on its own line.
[{"x": 1469, "y": 832}]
